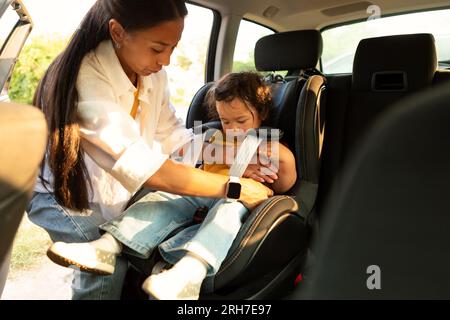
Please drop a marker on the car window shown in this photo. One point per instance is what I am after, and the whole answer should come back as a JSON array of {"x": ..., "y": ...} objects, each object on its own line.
[
  {"x": 15, "y": 27},
  {"x": 249, "y": 33},
  {"x": 187, "y": 68},
  {"x": 7, "y": 24},
  {"x": 340, "y": 43}
]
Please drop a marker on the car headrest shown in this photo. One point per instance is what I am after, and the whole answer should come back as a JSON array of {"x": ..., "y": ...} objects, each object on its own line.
[
  {"x": 294, "y": 50},
  {"x": 395, "y": 63},
  {"x": 197, "y": 109}
]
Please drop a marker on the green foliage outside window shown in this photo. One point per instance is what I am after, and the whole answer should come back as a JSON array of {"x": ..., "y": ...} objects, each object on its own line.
[{"x": 33, "y": 62}]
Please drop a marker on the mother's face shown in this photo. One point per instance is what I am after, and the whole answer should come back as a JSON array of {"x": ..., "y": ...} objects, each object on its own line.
[{"x": 146, "y": 51}]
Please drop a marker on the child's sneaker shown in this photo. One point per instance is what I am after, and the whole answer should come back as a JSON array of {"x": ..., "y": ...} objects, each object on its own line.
[
  {"x": 171, "y": 285},
  {"x": 182, "y": 282},
  {"x": 83, "y": 256}
]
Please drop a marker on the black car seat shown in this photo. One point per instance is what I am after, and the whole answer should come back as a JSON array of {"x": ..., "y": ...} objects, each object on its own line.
[
  {"x": 252, "y": 269},
  {"x": 385, "y": 234},
  {"x": 384, "y": 73},
  {"x": 385, "y": 70}
]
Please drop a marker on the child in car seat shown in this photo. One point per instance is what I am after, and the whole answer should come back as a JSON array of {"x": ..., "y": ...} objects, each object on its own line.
[{"x": 242, "y": 101}]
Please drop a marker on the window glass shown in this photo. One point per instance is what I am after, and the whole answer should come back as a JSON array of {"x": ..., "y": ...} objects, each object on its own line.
[
  {"x": 340, "y": 43},
  {"x": 249, "y": 33},
  {"x": 7, "y": 24},
  {"x": 186, "y": 71}
]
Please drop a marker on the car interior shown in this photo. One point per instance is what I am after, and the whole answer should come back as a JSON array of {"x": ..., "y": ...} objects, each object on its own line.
[
  {"x": 368, "y": 143},
  {"x": 390, "y": 211}
]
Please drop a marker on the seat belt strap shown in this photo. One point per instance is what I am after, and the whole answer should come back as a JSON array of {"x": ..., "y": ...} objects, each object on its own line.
[{"x": 244, "y": 155}]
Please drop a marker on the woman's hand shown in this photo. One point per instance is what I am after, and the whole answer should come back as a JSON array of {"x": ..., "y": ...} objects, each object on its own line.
[{"x": 253, "y": 193}]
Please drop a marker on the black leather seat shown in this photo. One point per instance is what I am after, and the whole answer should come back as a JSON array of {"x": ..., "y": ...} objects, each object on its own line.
[
  {"x": 391, "y": 210},
  {"x": 251, "y": 269},
  {"x": 441, "y": 76},
  {"x": 385, "y": 70},
  {"x": 383, "y": 74}
]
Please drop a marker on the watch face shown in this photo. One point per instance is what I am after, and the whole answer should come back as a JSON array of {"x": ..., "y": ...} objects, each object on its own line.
[{"x": 234, "y": 190}]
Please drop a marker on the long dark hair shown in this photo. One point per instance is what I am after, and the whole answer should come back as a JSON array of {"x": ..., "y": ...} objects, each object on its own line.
[{"x": 57, "y": 94}]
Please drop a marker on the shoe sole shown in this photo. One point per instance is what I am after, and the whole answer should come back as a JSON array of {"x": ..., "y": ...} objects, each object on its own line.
[
  {"x": 56, "y": 258},
  {"x": 153, "y": 296},
  {"x": 148, "y": 292}
]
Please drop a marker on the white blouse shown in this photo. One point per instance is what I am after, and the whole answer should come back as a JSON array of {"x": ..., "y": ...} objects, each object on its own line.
[{"x": 122, "y": 153}]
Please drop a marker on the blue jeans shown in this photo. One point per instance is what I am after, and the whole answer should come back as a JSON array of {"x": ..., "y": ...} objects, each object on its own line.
[
  {"x": 66, "y": 225},
  {"x": 145, "y": 225}
]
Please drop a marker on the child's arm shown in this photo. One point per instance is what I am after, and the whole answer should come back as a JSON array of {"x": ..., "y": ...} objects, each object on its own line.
[{"x": 287, "y": 173}]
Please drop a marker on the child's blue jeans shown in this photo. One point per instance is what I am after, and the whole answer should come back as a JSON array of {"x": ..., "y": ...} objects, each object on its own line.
[{"x": 146, "y": 224}]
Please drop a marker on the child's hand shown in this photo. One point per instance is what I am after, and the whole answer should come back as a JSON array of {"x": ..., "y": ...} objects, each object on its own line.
[
  {"x": 261, "y": 173},
  {"x": 268, "y": 153}
]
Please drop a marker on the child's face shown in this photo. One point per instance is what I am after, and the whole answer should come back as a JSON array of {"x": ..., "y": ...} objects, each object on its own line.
[
  {"x": 146, "y": 51},
  {"x": 236, "y": 115}
]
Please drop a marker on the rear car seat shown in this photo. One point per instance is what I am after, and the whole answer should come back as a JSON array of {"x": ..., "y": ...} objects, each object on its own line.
[
  {"x": 385, "y": 70},
  {"x": 385, "y": 233}
]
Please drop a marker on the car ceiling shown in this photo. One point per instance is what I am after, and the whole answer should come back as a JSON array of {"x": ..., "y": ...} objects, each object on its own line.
[{"x": 306, "y": 14}]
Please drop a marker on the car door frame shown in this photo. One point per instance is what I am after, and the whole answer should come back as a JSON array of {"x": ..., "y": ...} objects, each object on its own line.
[{"x": 14, "y": 42}]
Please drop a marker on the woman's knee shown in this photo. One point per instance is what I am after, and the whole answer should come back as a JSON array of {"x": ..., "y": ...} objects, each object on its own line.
[
  {"x": 87, "y": 286},
  {"x": 60, "y": 224}
]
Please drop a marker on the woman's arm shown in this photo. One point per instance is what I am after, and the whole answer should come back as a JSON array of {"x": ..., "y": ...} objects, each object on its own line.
[
  {"x": 180, "y": 179},
  {"x": 112, "y": 139}
]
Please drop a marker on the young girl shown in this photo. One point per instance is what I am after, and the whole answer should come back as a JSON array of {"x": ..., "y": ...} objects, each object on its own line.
[
  {"x": 112, "y": 128},
  {"x": 242, "y": 101}
]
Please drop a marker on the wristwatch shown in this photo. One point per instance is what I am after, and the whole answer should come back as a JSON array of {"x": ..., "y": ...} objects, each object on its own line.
[{"x": 233, "y": 188}]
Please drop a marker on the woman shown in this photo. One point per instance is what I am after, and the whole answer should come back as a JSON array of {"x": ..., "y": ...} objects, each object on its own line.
[{"x": 112, "y": 128}]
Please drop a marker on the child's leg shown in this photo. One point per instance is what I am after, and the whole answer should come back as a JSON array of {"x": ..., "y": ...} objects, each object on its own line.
[
  {"x": 141, "y": 228},
  {"x": 217, "y": 233},
  {"x": 208, "y": 248},
  {"x": 213, "y": 238}
]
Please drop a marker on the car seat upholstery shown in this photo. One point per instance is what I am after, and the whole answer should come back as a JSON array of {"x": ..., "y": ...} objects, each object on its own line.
[
  {"x": 385, "y": 70},
  {"x": 383, "y": 74},
  {"x": 390, "y": 211},
  {"x": 301, "y": 117}
]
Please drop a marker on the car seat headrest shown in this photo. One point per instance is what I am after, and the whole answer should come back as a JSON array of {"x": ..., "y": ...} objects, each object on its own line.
[
  {"x": 294, "y": 50},
  {"x": 395, "y": 63}
]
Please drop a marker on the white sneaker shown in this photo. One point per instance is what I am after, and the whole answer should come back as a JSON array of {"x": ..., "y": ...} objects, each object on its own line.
[
  {"x": 83, "y": 256},
  {"x": 172, "y": 285}
]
